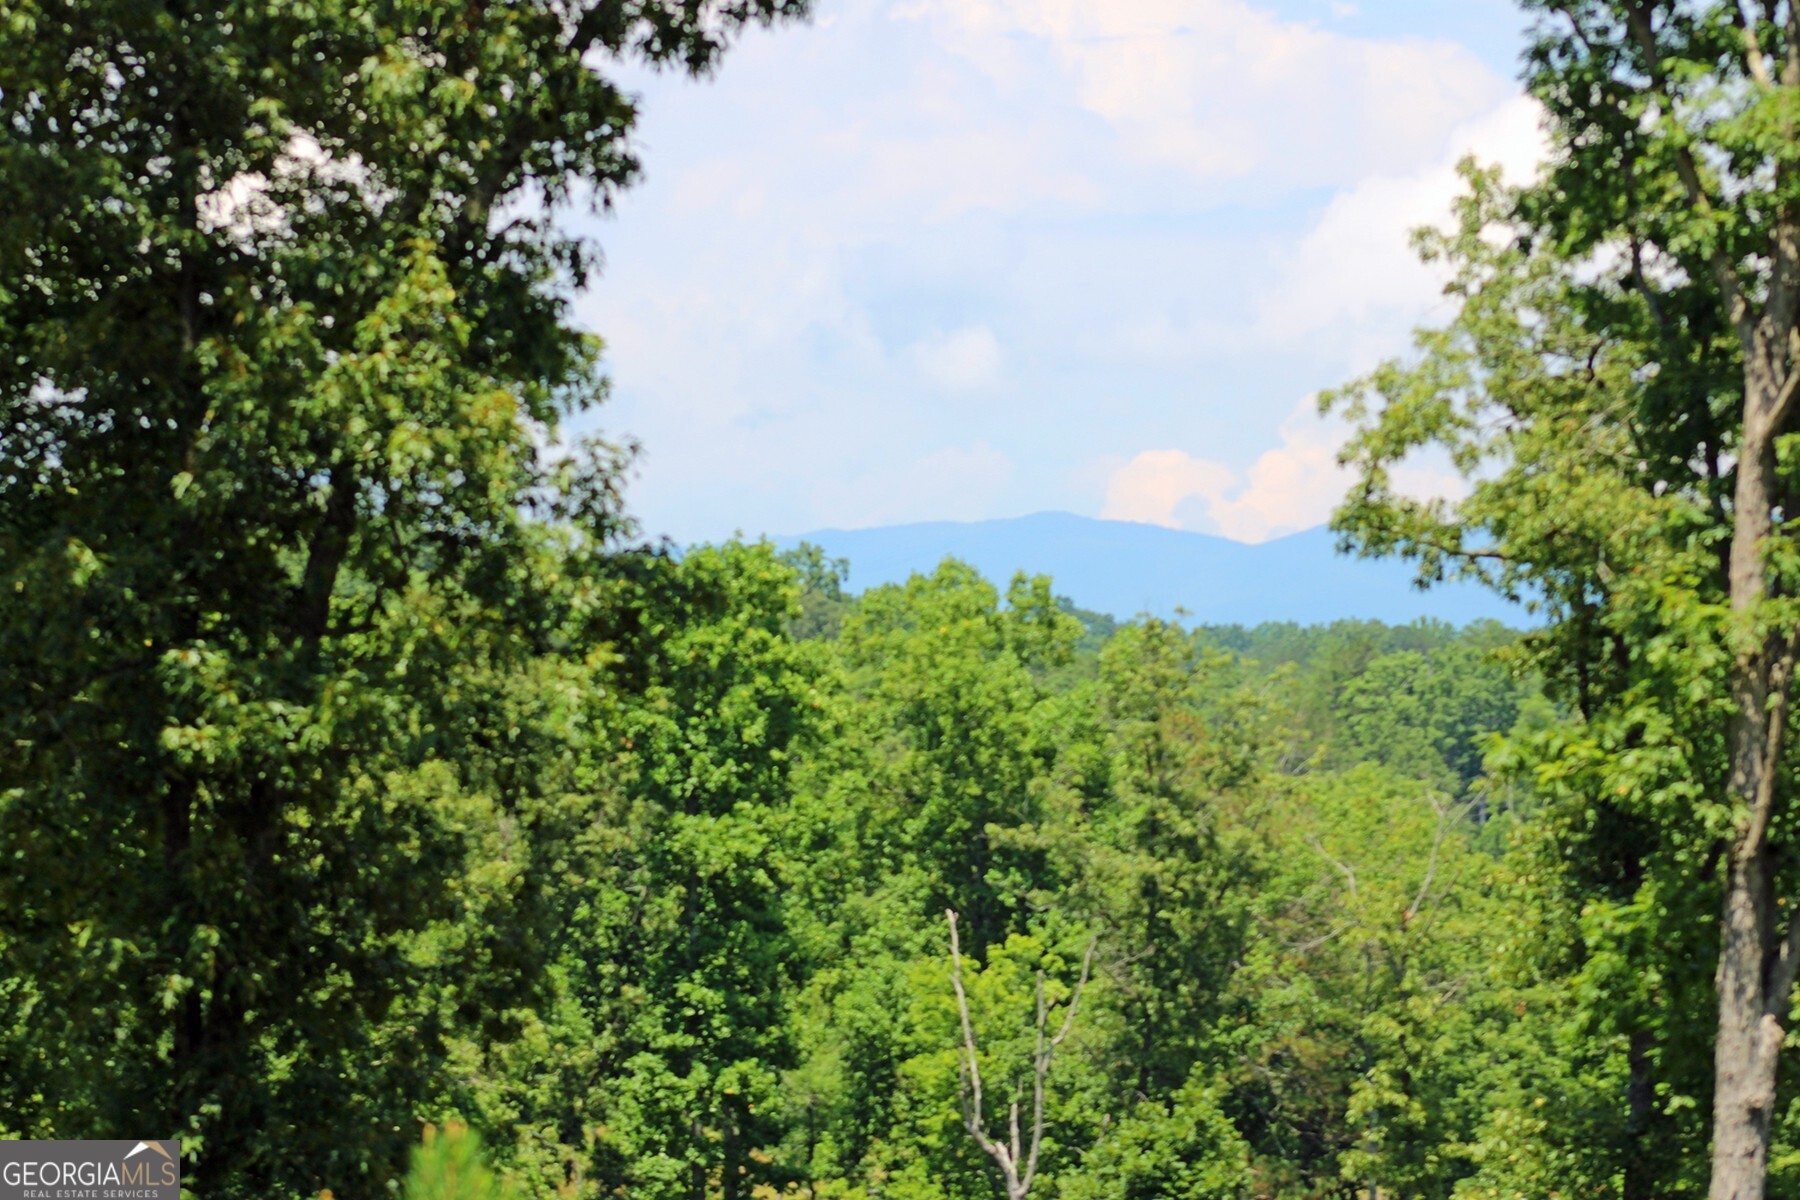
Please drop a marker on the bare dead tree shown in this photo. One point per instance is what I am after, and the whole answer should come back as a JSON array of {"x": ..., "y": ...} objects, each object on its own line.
[{"x": 1018, "y": 1161}]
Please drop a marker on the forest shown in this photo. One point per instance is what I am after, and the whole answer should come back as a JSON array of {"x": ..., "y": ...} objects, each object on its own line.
[{"x": 384, "y": 814}]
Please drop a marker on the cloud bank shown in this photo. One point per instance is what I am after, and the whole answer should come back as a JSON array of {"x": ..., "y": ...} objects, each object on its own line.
[{"x": 972, "y": 258}]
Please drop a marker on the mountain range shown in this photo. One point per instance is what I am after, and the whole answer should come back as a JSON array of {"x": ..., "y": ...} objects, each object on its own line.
[{"x": 1122, "y": 568}]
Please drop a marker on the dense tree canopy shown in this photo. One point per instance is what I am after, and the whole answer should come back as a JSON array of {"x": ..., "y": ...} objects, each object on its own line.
[
  {"x": 1619, "y": 388},
  {"x": 304, "y": 625},
  {"x": 379, "y": 817}
]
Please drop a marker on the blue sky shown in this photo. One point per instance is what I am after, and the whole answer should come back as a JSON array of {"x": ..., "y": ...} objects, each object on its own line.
[{"x": 958, "y": 259}]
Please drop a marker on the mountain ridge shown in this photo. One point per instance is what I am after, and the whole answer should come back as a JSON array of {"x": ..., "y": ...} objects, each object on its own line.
[{"x": 1125, "y": 568}]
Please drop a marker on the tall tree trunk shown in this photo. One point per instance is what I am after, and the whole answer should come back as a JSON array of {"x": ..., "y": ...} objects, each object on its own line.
[
  {"x": 1749, "y": 1039},
  {"x": 1756, "y": 955}
]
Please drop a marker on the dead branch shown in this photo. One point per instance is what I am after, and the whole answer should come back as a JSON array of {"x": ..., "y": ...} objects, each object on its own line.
[{"x": 1016, "y": 1158}]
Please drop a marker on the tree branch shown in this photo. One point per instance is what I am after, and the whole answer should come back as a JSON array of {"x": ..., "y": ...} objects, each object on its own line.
[
  {"x": 972, "y": 1113},
  {"x": 1008, "y": 1157},
  {"x": 1437, "y": 844},
  {"x": 1781, "y": 675},
  {"x": 1783, "y": 404},
  {"x": 1637, "y": 21},
  {"x": 1344, "y": 869},
  {"x": 325, "y": 557},
  {"x": 1753, "y": 51}
]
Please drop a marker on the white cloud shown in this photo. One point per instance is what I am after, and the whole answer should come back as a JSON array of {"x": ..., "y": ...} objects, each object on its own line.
[
  {"x": 1352, "y": 280},
  {"x": 1153, "y": 485},
  {"x": 1196, "y": 208},
  {"x": 1358, "y": 260},
  {"x": 1291, "y": 487},
  {"x": 964, "y": 360},
  {"x": 1223, "y": 90}
]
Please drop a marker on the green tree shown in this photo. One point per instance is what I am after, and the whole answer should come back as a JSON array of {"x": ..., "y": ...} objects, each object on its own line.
[
  {"x": 449, "y": 1166},
  {"x": 652, "y": 1063},
  {"x": 729, "y": 704},
  {"x": 942, "y": 676},
  {"x": 1427, "y": 715},
  {"x": 284, "y": 303},
  {"x": 1352, "y": 1055},
  {"x": 823, "y": 601},
  {"x": 1184, "y": 1148},
  {"x": 1144, "y": 832},
  {"x": 1619, "y": 387},
  {"x": 1016, "y": 1148},
  {"x": 939, "y": 738}
]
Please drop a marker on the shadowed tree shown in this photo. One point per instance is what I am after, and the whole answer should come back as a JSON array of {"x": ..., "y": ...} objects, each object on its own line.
[{"x": 284, "y": 304}]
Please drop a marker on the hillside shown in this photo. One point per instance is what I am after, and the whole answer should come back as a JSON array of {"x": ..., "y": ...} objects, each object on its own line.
[{"x": 1123, "y": 569}]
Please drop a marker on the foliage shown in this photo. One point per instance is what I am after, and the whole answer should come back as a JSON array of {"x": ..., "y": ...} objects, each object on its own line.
[
  {"x": 1617, "y": 386},
  {"x": 363, "y": 777},
  {"x": 1184, "y": 1148},
  {"x": 303, "y": 614},
  {"x": 448, "y": 1166}
]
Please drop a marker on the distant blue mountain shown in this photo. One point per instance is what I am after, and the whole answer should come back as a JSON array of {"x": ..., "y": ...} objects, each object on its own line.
[{"x": 1123, "y": 569}]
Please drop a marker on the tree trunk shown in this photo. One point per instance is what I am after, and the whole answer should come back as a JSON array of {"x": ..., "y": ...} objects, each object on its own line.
[
  {"x": 1749, "y": 1040},
  {"x": 1756, "y": 969}
]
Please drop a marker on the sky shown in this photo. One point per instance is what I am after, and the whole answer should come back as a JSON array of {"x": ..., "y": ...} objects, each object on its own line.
[{"x": 961, "y": 259}]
